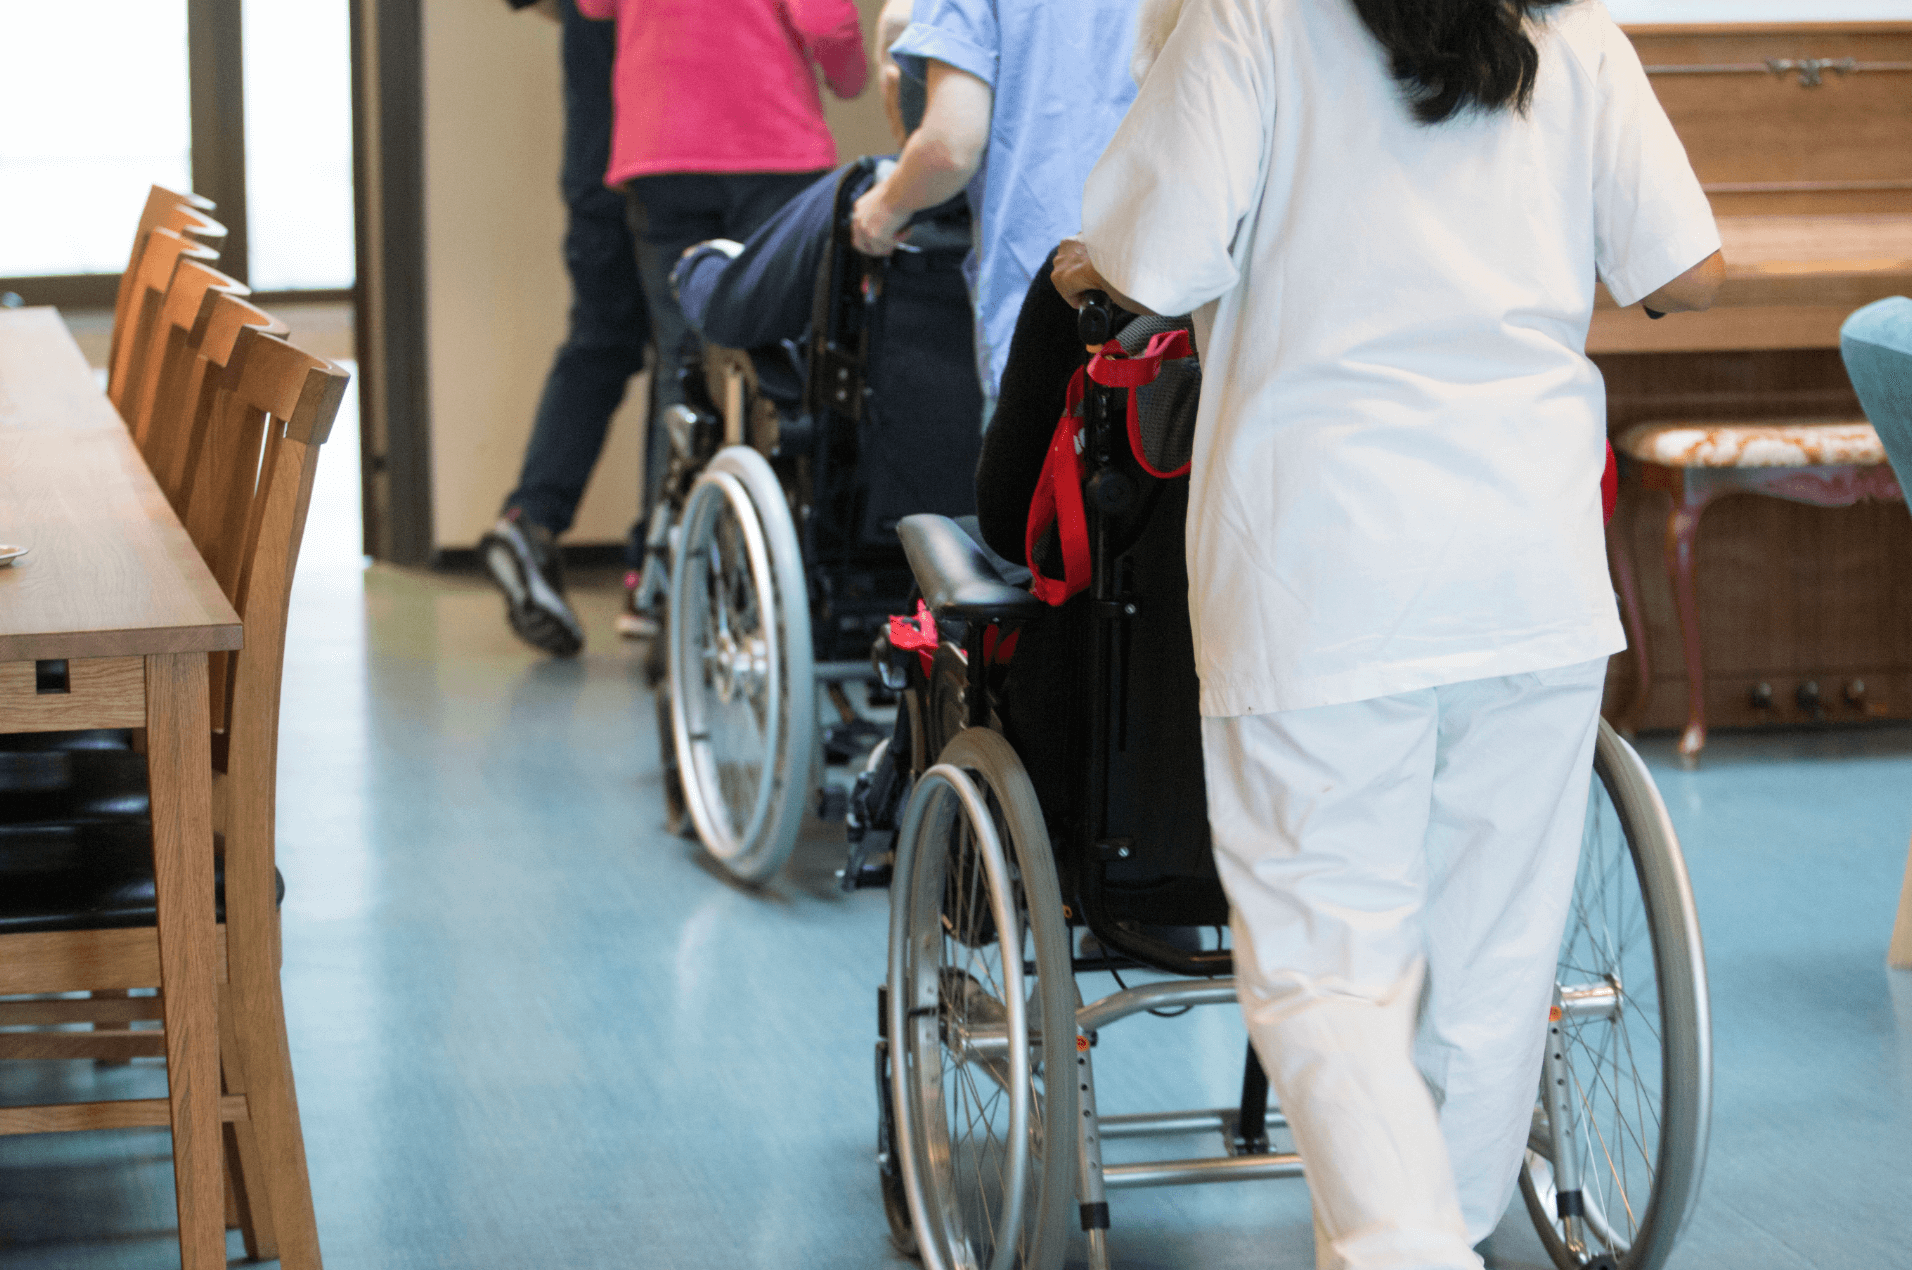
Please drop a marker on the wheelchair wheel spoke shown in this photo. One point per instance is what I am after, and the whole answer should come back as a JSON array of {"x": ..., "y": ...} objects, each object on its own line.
[
  {"x": 985, "y": 979},
  {"x": 1636, "y": 1065}
]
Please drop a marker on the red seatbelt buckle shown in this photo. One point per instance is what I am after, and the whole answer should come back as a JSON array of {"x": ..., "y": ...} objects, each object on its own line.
[{"x": 916, "y": 635}]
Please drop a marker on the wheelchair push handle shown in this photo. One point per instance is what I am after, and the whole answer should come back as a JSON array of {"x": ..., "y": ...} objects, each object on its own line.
[{"x": 1095, "y": 321}]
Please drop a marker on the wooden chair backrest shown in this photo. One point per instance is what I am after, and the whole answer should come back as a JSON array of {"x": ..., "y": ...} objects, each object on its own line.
[
  {"x": 274, "y": 410},
  {"x": 187, "y": 215},
  {"x": 198, "y": 345},
  {"x": 134, "y": 356},
  {"x": 178, "y": 310},
  {"x": 160, "y": 201}
]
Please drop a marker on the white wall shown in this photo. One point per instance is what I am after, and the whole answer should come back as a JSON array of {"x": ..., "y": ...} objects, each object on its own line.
[{"x": 497, "y": 291}]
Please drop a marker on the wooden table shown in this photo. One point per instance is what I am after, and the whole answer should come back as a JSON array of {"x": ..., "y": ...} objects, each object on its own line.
[{"x": 106, "y": 623}]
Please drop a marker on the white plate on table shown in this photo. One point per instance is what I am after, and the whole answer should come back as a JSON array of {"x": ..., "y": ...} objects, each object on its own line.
[{"x": 9, "y": 554}]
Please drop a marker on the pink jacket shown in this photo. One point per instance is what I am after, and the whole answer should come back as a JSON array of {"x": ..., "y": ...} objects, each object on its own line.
[{"x": 727, "y": 85}]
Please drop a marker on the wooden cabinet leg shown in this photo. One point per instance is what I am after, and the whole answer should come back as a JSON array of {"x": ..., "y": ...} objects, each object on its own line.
[
  {"x": 179, "y": 768},
  {"x": 1682, "y": 536}
]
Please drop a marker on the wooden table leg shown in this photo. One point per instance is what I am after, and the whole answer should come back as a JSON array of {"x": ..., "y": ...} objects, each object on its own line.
[
  {"x": 1899, "y": 954},
  {"x": 179, "y": 767}
]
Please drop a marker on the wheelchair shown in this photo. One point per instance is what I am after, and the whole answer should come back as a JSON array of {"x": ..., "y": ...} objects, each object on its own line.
[
  {"x": 1037, "y": 843},
  {"x": 790, "y": 467}
]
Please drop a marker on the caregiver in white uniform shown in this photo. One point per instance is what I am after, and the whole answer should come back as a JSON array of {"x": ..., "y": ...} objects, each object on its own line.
[{"x": 1387, "y": 217}]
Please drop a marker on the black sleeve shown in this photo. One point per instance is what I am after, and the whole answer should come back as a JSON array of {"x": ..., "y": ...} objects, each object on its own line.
[{"x": 1043, "y": 354}]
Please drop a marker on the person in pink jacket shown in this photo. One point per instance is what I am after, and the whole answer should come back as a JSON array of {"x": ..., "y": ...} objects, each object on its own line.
[{"x": 718, "y": 122}]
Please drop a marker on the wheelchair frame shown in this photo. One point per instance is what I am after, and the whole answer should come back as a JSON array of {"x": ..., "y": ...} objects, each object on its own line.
[
  {"x": 975, "y": 794},
  {"x": 819, "y": 591}
]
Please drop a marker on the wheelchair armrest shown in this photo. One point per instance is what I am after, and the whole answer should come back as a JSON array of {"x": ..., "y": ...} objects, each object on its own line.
[{"x": 956, "y": 578}]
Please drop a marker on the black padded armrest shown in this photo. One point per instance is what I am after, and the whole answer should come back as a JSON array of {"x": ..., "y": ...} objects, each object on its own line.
[{"x": 956, "y": 578}]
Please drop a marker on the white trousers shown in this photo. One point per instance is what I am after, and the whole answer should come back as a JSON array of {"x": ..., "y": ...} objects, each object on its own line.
[{"x": 1400, "y": 871}]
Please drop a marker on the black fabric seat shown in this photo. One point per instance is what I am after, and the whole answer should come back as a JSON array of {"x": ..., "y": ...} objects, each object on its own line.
[
  {"x": 72, "y": 784},
  {"x": 76, "y": 840},
  {"x": 87, "y": 876},
  {"x": 86, "y": 739}
]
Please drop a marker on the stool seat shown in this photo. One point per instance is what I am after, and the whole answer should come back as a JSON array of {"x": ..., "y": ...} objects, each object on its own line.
[
  {"x": 1755, "y": 443},
  {"x": 1819, "y": 462}
]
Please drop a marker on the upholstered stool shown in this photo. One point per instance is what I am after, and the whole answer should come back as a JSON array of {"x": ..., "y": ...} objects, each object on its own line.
[{"x": 1823, "y": 462}]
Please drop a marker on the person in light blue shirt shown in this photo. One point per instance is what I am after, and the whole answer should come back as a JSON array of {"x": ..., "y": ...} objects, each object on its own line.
[{"x": 1022, "y": 97}]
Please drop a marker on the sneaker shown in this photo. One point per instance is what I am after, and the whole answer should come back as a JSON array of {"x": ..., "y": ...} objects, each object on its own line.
[
  {"x": 632, "y": 621},
  {"x": 523, "y": 560}
]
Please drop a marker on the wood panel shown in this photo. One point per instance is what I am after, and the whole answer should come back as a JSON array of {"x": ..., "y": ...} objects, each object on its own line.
[
  {"x": 103, "y": 692},
  {"x": 87, "y": 961},
  {"x": 124, "y": 1113},
  {"x": 81, "y": 1010},
  {"x": 113, "y": 1046},
  {"x": 1790, "y": 282},
  {"x": 1765, "y": 143}
]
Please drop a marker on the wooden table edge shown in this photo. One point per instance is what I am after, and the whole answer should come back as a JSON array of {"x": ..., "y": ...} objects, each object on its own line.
[{"x": 68, "y": 645}]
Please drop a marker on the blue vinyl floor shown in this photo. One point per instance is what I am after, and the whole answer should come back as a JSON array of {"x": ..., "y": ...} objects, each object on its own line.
[{"x": 532, "y": 1030}]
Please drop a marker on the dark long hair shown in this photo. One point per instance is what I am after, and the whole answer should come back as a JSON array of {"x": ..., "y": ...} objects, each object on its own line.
[{"x": 1455, "y": 55}]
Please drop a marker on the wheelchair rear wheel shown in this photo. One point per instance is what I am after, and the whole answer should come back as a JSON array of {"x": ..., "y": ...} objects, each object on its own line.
[
  {"x": 1618, "y": 1146},
  {"x": 981, "y": 1008},
  {"x": 742, "y": 682}
]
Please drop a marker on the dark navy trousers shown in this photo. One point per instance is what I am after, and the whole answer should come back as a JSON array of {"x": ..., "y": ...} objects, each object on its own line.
[{"x": 610, "y": 325}]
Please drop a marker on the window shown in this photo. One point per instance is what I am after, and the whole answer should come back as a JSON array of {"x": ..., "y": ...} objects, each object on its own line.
[
  {"x": 102, "y": 100},
  {"x": 298, "y": 144},
  {"x": 93, "y": 110}
]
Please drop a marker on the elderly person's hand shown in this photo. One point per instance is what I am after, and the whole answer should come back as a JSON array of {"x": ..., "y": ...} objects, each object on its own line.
[
  {"x": 1075, "y": 274},
  {"x": 875, "y": 226}
]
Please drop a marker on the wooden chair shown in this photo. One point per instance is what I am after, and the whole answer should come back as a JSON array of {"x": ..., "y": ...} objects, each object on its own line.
[
  {"x": 1823, "y": 462},
  {"x": 178, "y": 309},
  {"x": 248, "y": 494},
  {"x": 134, "y": 356},
  {"x": 188, "y": 215},
  {"x": 199, "y": 323}
]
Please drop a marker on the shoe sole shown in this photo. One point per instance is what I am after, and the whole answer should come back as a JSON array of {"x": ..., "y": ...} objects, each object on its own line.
[{"x": 535, "y": 612}]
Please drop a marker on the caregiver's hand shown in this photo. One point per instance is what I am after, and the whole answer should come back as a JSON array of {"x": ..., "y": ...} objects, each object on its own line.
[
  {"x": 1075, "y": 273},
  {"x": 876, "y": 227}
]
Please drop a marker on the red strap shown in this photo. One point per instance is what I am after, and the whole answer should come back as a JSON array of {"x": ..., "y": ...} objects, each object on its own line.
[
  {"x": 1609, "y": 484},
  {"x": 1058, "y": 502},
  {"x": 1113, "y": 368},
  {"x": 917, "y": 635},
  {"x": 999, "y": 649}
]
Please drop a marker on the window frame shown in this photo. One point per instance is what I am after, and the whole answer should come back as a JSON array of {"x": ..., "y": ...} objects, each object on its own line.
[{"x": 215, "y": 68}]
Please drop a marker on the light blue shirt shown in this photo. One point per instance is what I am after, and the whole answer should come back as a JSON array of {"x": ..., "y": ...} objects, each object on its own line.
[{"x": 1060, "y": 73}]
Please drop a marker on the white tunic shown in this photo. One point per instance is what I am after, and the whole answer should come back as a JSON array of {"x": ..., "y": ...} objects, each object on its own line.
[{"x": 1398, "y": 455}]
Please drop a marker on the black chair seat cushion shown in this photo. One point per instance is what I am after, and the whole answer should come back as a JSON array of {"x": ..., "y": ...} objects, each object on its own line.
[
  {"x": 95, "y": 875},
  {"x": 87, "y": 739},
  {"x": 79, "y": 784}
]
